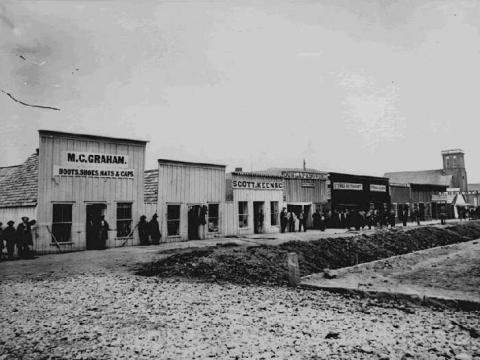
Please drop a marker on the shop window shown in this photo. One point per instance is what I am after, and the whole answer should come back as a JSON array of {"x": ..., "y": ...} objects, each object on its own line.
[
  {"x": 274, "y": 213},
  {"x": 173, "y": 220},
  {"x": 212, "y": 217},
  {"x": 62, "y": 222},
  {"x": 124, "y": 220},
  {"x": 242, "y": 214}
]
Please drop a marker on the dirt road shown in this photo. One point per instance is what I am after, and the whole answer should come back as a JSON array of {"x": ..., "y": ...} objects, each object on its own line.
[{"x": 89, "y": 305}]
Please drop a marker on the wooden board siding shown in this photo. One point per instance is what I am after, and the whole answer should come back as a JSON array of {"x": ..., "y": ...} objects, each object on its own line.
[
  {"x": 16, "y": 214},
  {"x": 400, "y": 194},
  {"x": 294, "y": 192},
  {"x": 189, "y": 183},
  {"x": 80, "y": 191}
]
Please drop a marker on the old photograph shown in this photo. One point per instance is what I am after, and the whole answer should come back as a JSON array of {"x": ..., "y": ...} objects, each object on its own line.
[{"x": 240, "y": 179}]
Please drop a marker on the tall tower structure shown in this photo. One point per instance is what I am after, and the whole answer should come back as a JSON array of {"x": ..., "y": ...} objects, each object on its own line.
[{"x": 454, "y": 164}]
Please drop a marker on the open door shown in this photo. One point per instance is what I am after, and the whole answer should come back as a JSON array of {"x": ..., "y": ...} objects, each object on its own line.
[{"x": 94, "y": 239}]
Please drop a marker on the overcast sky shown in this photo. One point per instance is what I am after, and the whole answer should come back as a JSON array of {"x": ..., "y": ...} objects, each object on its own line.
[{"x": 357, "y": 86}]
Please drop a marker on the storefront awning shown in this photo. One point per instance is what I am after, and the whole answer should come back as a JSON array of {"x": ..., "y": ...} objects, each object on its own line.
[{"x": 299, "y": 203}]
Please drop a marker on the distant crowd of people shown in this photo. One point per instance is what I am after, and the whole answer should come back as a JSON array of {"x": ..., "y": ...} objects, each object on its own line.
[
  {"x": 358, "y": 219},
  {"x": 19, "y": 238}
]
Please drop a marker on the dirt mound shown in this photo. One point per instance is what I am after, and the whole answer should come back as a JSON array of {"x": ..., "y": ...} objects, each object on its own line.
[{"x": 267, "y": 264}]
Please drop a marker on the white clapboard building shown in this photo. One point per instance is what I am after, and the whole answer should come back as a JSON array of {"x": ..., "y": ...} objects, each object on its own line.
[{"x": 74, "y": 180}]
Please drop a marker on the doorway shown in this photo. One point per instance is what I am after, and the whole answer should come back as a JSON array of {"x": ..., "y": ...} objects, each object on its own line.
[
  {"x": 194, "y": 222},
  {"x": 258, "y": 217},
  {"x": 95, "y": 232}
]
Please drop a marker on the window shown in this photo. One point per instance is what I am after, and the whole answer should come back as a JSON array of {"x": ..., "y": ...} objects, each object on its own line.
[
  {"x": 274, "y": 213},
  {"x": 173, "y": 220},
  {"x": 212, "y": 217},
  {"x": 124, "y": 219},
  {"x": 242, "y": 214},
  {"x": 62, "y": 222}
]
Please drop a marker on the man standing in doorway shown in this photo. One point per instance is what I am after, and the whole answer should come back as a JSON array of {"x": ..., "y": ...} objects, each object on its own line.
[
  {"x": 103, "y": 229},
  {"x": 283, "y": 220},
  {"x": 316, "y": 219}
]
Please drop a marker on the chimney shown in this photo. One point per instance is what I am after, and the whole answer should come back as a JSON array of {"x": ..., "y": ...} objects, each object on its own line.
[
  {"x": 304, "y": 165},
  {"x": 238, "y": 169}
]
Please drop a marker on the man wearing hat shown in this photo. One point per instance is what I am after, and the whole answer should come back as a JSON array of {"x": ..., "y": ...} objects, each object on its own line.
[
  {"x": 154, "y": 230},
  {"x": 24, "y": 237},
  {"x": 143, "y": 230},
  {"x": 1, "y": 241},
  {"x": 9, "y": 237}
]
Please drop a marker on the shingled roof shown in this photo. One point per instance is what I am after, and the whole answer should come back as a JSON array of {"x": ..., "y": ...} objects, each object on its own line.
[
  {"x": 19, "y": 184},
  {"x": 151, "y": 186},
  {"x": 7, "y": 170},
  {"x": 422, "y": 177}
]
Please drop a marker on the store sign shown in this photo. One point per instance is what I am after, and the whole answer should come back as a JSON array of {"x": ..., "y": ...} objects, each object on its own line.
[
  {"x": 257, "y": 185},
  {"x": 94, "y": 160},
  {"x": 308, "y": 183},
  {"x": 347, "y": 186},
  {"x": 439, "y": 197},
  {"x": 302, "y": 175},
  {"x": 378, "y": 188},
  {"x": 88, "y": 164}
]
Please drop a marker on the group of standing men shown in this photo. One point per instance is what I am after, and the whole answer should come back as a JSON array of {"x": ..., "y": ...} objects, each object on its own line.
[
  {"x": 289, "y": 220},
  {"x": 359, "y": 219},
  {"x": 20, "y": 237},
  {"x": 149, "y": 230}
]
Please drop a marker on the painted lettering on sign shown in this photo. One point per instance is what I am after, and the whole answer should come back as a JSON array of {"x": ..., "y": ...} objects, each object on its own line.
[
  {"x": 378, "y": 188},
  {"x": 303, "y": 175},
  {"x": 347, "y": 186},
  {"x": 79, "y": 159},
  {"x": 257, "y": 185},
  {"x": 89, "y": 172},
  {"x": 308, "y": 183}
]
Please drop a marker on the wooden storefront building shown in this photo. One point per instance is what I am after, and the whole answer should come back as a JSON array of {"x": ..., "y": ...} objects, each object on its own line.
[
  {"x": 420, "y": 190},
  {"x": 190, "y": 199},
  {"x": 305, "y": 190},
  {"x": 358, "y": 192},
  {"x": 254, "y": 201},
  {"x": 72, "y": 182}
]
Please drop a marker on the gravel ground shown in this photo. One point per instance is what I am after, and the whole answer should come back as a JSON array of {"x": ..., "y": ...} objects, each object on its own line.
[
  {"x": 90, "y": 305},
  {"x": 96, "y": 314}
]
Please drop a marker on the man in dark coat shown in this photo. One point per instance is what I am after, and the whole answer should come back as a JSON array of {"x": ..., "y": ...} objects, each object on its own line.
[
  {"x": 143, "y": 230},
  {"x": 9, "y": 235},
  {"x": 154, "y": 230},
  {"x": 283, "y": 220},
  {"x": 1, "y": 241},
  {"x": 24, "y": 238},
  {"x": 443, "y": 214},
  {"x": 316, "y": 219},
  {"x": 416, "y": 215},
  {"x": 391, "y": 218},
  {"x": 405, "y": 215},
  {"x": 103, "y": 229}
]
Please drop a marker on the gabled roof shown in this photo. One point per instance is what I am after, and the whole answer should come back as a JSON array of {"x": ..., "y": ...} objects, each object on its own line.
[
  {"x": 151, "y": 186},
  {"x": 422, "y": 177},
  {"x": 19, "y": 186}
]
